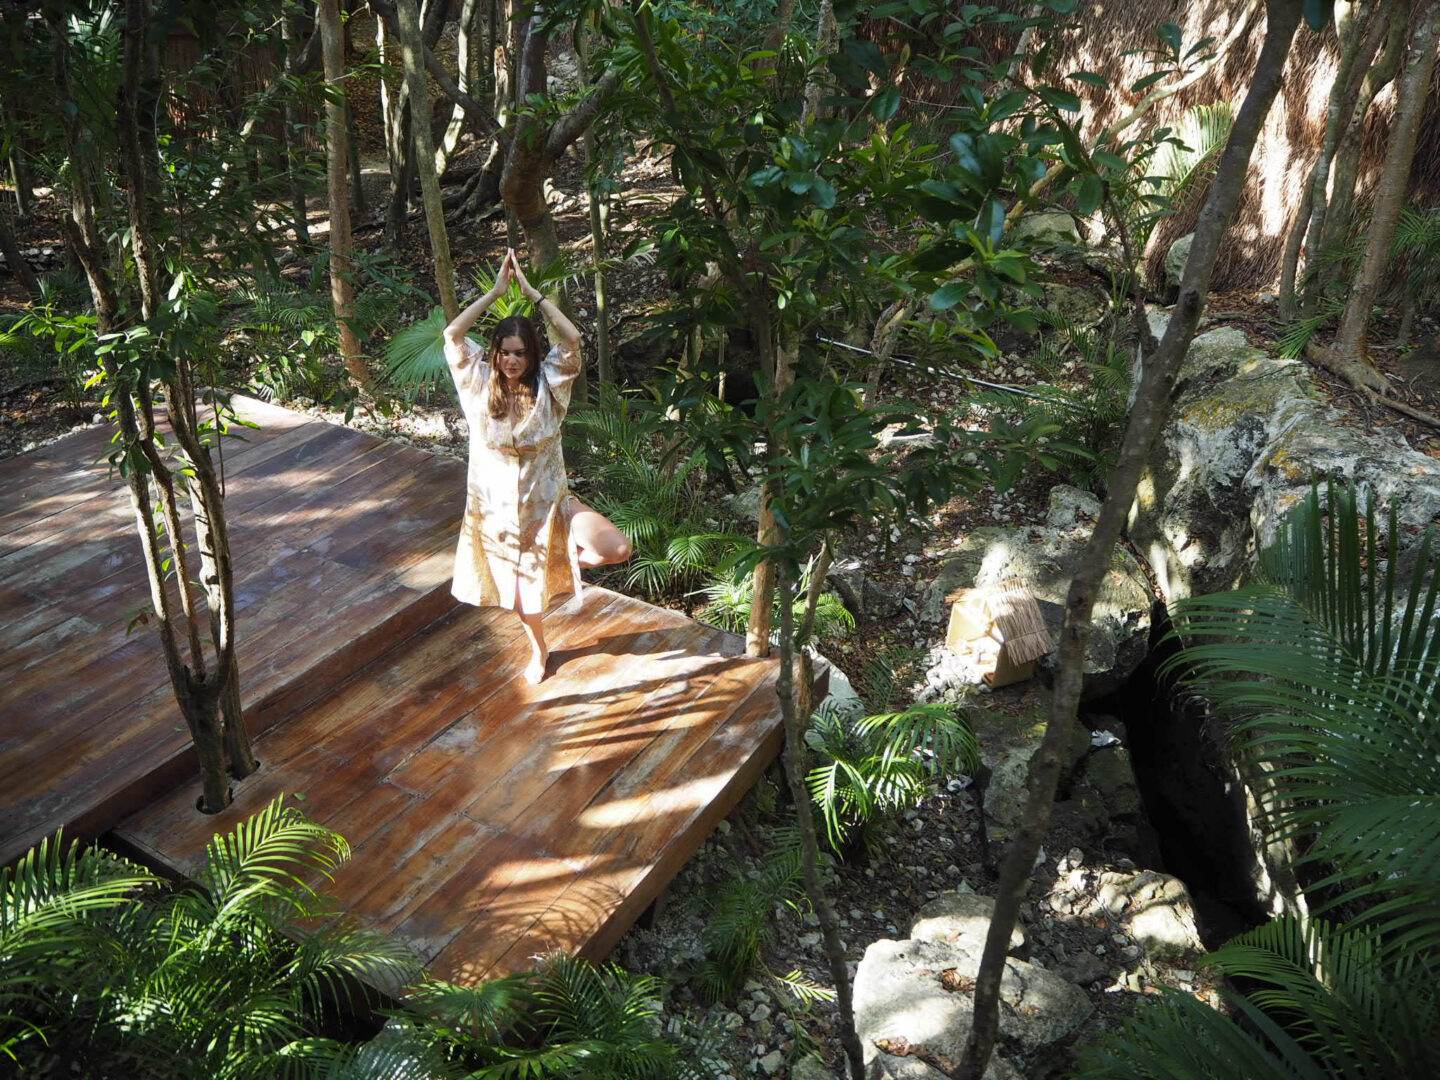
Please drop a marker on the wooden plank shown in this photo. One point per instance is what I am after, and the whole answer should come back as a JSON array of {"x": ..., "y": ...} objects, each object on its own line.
[
  {"x": 648, "y": 824},
  {"x": 91, "y": 475},
  {"x": 544, "y": 858}
]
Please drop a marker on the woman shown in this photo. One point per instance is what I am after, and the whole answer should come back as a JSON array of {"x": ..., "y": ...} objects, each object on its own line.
[{"x": 524, "y": 536}]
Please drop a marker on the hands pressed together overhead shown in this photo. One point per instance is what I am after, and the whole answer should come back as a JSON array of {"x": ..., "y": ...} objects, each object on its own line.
[{"x": 510, "y": 268}]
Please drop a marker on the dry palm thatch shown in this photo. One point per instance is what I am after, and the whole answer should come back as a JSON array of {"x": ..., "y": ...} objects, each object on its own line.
[
  {"x": 1018, "y": 622},
  {"x": 1107, "y": 30}
]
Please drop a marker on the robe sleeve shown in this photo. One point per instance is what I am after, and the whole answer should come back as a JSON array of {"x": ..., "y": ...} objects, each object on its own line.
[
  {"x": 560, "y": 368},
  {"x": 467, "y": 366}
]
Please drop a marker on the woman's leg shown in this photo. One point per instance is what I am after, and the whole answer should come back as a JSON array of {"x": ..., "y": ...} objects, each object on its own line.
[
  {"x": 600, "y": 543},
  {"x": 539, "y": 652}
]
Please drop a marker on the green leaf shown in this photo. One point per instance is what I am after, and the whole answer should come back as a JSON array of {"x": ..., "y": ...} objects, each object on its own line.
[
  {"x": 1171, "y": 35},
  {"x": 1056, "y": 98},
  {"x": 947, "y": 296},
  {"x": 823, "y": 194},
  {"x": 886, "y": 103},
  {"x": 1090, "y": 192},
  {"x": 1091, "y": 78}
]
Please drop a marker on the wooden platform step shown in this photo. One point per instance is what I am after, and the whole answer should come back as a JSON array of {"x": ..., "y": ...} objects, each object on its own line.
[
  {"x": 494, "y": 821},
  {"x": 343, "y": 545}
]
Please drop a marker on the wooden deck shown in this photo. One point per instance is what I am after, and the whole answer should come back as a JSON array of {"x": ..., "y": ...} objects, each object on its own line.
[{"x": 492, "y": 820}]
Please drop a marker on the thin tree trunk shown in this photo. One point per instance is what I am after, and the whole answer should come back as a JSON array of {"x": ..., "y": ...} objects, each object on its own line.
[
  {"x": 293, "y": 153},
  {"x": 1389, "y": 199},
  {"x": 342, "y": 290},
  {"x": 1359, "y": 39},
  {"x": 599, "y": 207},
  {"x": 1146, "y": 417},
  {"x": 411, "y": 50},
  {"x": 10, "y": 248},
  {"x": 795, "y": 770},
  {"x": 466, "y": 49},
  {"x": 882, "y": 346},
  {"x": 358, "y": 203},
  {"x": 1347, "y": 159}
]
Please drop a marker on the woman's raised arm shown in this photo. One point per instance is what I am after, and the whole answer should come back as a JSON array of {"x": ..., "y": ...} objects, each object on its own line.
[
  {"x": 460, "y": 325},
  {"x": 564, "y": 328}
]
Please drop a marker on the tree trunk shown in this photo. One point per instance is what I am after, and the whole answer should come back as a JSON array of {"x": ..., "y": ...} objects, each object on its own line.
[
  {"x": 1347, "y": 159},
  {"x": 1146, "y": 417},
  {"x": 465, "y": 51},
  {"x": 342, "y": 290},
  {"x": 1389, "y": 198},
  {"x": 795, "y": 771},
  {"x": 10, "y": 248},
  {"x": 599, "y": 206},
  {"x": 1358, "y": 38},
  {"x": 294, "y": 153},
  {"x": 412, "y": 53}
]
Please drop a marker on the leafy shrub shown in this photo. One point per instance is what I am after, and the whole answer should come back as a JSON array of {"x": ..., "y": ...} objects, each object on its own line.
[
  {"x": 650, "y": 490},
  {"x": 730, "y": 593},
  {"x": 886, "y": 762}
]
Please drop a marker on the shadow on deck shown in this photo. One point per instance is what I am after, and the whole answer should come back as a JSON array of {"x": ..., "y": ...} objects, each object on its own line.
[{"x": 492, "y": 821}]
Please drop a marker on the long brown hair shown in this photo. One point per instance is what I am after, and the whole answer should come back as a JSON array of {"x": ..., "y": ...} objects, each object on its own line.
[{"x": 499, "y": 402}]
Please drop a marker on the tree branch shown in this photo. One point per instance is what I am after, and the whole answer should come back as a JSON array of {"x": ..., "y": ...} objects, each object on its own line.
[
  {"x": 477, "y": 112},
  {"x": 574, "y": 123}
]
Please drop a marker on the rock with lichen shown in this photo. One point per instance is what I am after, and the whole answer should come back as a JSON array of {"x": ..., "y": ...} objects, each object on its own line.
[{"x": 1245, "y": 436}]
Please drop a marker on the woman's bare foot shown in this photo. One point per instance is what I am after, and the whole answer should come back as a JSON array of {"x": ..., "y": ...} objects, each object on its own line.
[{"x": 535, "y": 670}]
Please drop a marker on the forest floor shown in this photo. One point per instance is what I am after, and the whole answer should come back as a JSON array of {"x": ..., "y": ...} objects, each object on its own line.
[{"x": 937, "y": 845}]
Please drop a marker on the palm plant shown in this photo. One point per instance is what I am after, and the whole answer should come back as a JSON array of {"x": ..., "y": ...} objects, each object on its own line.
[
  {"x": 730, "y": 593},
  {"x": 652, "y": 493},
  {"x": 228, "y": 978},
  {"x": 1179, "y": 168},
  {"x": 1329, "y": 669},
  {"x": 1320, "y": 1005},
  {"x": 1417, "y": 253},
  {"x": 884, "y": 762}
]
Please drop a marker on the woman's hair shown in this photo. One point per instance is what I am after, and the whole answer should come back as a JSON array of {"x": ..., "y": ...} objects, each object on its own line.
[{"x": 499, "y": 402}]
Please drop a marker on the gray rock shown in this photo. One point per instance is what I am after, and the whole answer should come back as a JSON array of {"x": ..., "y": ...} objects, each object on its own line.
[
  {"x": 1109, "y": 772},
  {"x": 1045, "y": 558},
  {"x": 1245, "y": 436},
  {"x": 1048, "y": 227},
  {"x": 1076, "y": 307},
  {"x": 1083, "y": 969},
  {"x": 1176, "y": 258},
  {"x": 813, "y": 1067},
  {"x": 1071, "y": 508},
  {"x": 863, "y": 595},
  {"x": 961, "y": 919},
  {"x": 771, "y": 1063},
  {"x": 1006, "y": 792},
  {"x": 901, "y": 994},
  {"x": 1154, "y": 909},
  {"x": 745, "y": 505}
]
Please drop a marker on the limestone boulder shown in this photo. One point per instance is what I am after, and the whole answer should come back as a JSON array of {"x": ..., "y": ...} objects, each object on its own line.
[
  {"x": 1244, "y": 438},
  {"x": 912, "y": 994},
  {"x": 1045, "y": 557},
  {"x": 1154, "y": 909},
  {"x": 961, "y": 919},
  {"x": 1046, "y": 228},
  {"x": 1176, "y": 258}
]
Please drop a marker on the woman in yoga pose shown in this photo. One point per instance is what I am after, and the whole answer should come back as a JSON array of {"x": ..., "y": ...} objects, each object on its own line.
[{"x": 524, "y": 537}]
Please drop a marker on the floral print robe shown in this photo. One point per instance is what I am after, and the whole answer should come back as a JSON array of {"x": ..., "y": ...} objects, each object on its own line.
[{"x": 515, "y": 537}]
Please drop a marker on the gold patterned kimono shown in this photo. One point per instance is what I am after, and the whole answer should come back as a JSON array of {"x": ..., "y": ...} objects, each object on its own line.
[{"x": 515, "y": 538}]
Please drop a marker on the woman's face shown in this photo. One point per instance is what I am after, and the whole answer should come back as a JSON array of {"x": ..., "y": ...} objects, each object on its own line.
[{"x": 512, "y": 359}]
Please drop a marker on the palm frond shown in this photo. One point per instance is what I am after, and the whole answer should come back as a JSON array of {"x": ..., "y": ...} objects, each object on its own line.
[
  {"x": 415, "y": 357},
  {"x": 1329, "y": 672}
]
